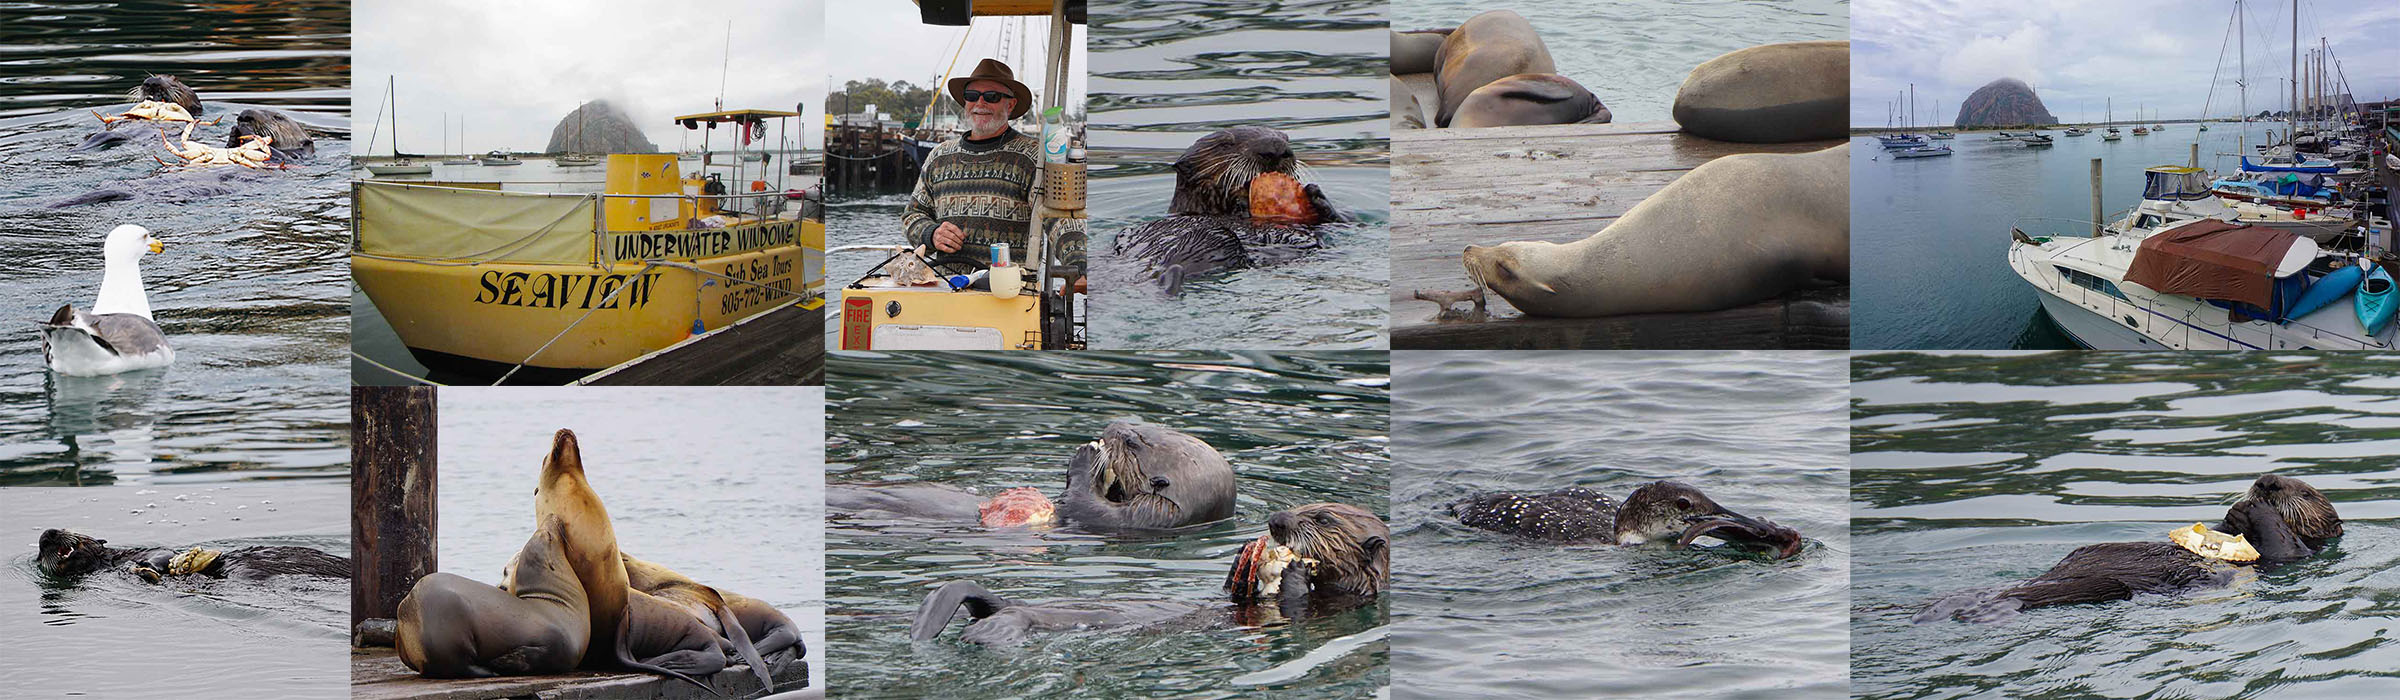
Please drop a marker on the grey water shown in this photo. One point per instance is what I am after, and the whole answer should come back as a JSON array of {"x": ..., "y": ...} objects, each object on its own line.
[
  {"x": 1299, "y": 428},
  {"x": 728, "y": 490},
  {"x": 1166, "y": 74},
  {"x": 247, "y": 289},
  {"x": 1974, "y": 471},
  {"x": 1931, "y": 234},
  {"x": 1480, "y": 614},
  {"x": 1634, "y": 56}
]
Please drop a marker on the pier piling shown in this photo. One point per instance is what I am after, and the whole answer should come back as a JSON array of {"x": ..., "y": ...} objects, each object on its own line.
[
  {"x": 391, "y": 496},
  {"x": 2095, "y": 198}
]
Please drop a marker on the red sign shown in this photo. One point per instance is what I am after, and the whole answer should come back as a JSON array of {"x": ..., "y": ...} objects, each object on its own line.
[{"x": 858, "y": 323}]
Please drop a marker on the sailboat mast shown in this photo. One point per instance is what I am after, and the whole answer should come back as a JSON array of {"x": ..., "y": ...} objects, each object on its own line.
[
  {"x": 2292, "y": 118},
  {"x": 2241, "y": 79}
]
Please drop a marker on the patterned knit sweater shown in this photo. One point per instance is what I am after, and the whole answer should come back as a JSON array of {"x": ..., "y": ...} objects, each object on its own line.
[{"x": 985, "y": 187}]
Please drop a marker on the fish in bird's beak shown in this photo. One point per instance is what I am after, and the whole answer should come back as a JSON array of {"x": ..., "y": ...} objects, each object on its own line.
[{"x": 1742, "y": 531}]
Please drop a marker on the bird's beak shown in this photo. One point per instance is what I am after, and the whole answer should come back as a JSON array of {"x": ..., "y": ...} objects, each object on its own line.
[{"x": 157, "y": 247}]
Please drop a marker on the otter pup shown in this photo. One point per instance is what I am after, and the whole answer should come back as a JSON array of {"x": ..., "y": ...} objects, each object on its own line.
[
  {"x": 2285, "y": 518},
  {"x": 65, "y": 554},
  {"x": 1209, "y": 225},
  {"x": 1656, "y": 511},
  {"x": 1347, "y": 564}
]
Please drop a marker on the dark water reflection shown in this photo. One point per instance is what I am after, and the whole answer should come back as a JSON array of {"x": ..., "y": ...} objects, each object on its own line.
[
  {"x": 1298, "y": 429},
  {"x": 249, "y": 290},
  {"x": 1979, "y": 470}
]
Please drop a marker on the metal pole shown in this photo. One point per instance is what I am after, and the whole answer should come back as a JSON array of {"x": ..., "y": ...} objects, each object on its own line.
[{"x": 2095, "y": 198}]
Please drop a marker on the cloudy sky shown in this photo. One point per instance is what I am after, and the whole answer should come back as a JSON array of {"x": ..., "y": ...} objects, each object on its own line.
[
  {"x": 2155, "y": 53},
  {"x": 514, "y": 69},
  {"x": 884, "y": 39}
]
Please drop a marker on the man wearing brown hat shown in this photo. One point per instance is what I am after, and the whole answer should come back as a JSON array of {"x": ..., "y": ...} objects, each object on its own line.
[{"x": 977, "y": 190}]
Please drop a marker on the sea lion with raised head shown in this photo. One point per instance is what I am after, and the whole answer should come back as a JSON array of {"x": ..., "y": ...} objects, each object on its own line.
[
  {"x": 589, "y": 542},
  {"x": 67, "y": 554},
  {"x": 1734, "y": 231},
  {"x": 1144, "y": 477},
  {"x": 1335, "y": 557},
  {"x": 537, "y": 621},
  {"x": 1661, "y": 511},
  {"x": 1209, "y": 226},
  {"x": 2285, "y": 519},
  {"x": 1776, "y": 93}
]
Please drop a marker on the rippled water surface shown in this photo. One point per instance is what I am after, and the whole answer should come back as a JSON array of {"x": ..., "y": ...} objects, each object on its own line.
[
  {"x": 1976, "y": 471},
  {"x": 1634, "y": 55},
  {"x": 1166, "y": 74},
  {"x": 1298, "y": 429},
  {"x": 249, "y": 287},
  {"x": 721, "y": 484},
  {"x": 1479, "y": 614}
]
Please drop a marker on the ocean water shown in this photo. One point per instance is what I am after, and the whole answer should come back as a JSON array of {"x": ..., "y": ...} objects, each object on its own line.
[
  {"x": 1480, "y": 614},
  {"x": 1166, "y": 74},
  {"x": 1974, "y": 471},
  {"x": 1298, "y": 429}
]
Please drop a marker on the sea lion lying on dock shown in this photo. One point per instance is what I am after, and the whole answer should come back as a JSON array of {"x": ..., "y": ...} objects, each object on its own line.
[
  {"x": 2285, "y": 519},
  {"x": 1336, "y": 557},
  {"x": 1493, "y": 70},
  {"x": 538, "y": 621},
  {"x": 68, "y": 554},
  {"x": 1776, "y": 93},
  {"x": 1662, "y": 511},
  {"x": 1209, "y": 225}
]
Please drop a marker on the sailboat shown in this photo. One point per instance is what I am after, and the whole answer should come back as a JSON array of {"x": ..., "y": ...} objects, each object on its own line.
[
  {"x": 400, "y": 165},
  {"x": 574, "y": 157},
  {"x": 462, "y": 141},
  {"x": 2138, "y": 129},
  {"x": 2111, "y": 134}
]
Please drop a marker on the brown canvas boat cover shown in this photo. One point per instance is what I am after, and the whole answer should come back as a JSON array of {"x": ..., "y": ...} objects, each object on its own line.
[{"x": 2212, "y": 259}]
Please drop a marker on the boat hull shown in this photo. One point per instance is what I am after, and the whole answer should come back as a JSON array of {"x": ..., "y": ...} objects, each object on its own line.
[{"x": 2089, "y": 329}]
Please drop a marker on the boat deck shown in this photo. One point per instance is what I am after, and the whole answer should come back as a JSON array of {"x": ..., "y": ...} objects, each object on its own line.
[
  {"x": 377, "y": 674},
  {"x": 1561, "y": 183}
]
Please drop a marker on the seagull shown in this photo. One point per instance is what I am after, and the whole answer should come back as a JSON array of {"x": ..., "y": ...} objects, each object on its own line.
[{"x": 117, "y": 335}]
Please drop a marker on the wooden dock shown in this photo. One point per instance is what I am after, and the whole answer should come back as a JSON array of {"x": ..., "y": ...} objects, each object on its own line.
[
  {"x": 377, "y": 674},
  {"x": 1562, "y": 183},
  {"x": 785, "y": 346}
]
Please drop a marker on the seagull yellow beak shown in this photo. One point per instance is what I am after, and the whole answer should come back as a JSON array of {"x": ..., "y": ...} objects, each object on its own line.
[{"x": 157, "y": 247}]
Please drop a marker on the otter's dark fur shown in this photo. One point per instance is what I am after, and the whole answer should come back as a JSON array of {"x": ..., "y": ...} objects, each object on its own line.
[
  {"x": 1208, "y": 226},
  {"x": 1144, "y": 477},
  {"x": 66, "y": 554},
  {"x": 1352, "y": 546},
  {"x": 1657, "y": 511},
  {"x": 2284, "y": 518},
  {"x": 156, "y": 88},
  {"x": 290, "y": 142}
]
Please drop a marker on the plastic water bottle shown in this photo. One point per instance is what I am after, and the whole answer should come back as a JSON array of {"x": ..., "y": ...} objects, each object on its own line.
[{"x": 1055, "y": 138}]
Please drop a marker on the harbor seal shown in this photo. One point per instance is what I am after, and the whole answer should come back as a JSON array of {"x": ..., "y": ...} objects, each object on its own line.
[
  {"x": 538, "y": 621},
  {"x": 66, "y": 554},
  {"x": 1486, "y": 48},
  {"x": 1734, "y": 231},
  {"x": 1208, "y": 225},
  {"x": 1530, "y": 98},
  {"x": 2285, "y": 519},
  {"x": 590, "y": 543},
  {"x": 1775, "y": 93},
  {"x": 1144, "y": 477},
  {"x": 1662, "y": 511}
]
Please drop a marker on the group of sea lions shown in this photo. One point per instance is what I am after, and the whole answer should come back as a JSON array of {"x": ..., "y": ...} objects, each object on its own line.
[
  {"x": 571, "y": 600},
  {"x": 1239, "y": 202},
  {"x": 1146, "y": 479}
]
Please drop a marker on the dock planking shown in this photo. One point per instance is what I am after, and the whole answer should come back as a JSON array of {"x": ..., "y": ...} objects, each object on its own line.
[
  {"x": 377, "y": 674},
  {"x": 1562, "y": 183}
]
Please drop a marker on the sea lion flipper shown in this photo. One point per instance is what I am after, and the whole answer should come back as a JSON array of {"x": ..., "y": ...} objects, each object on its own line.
[
  {"x": 741, "y": 645},
  {"x": 666, "y": 663},
  {"x": 935, "y": 613}
]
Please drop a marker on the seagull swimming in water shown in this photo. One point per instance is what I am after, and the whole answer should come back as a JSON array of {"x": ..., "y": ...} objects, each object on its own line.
[{"x": 117, "y": 335}]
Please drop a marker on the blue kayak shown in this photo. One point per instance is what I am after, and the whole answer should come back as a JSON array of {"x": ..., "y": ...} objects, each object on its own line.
[
  {"x": 2375, "y": 301},
  {"x": 2327, "y": 290}
]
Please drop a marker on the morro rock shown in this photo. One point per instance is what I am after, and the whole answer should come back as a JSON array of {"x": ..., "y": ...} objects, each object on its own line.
[
  {"x": 597, "y": 128},
  {"x": 2004, "y": 102}
]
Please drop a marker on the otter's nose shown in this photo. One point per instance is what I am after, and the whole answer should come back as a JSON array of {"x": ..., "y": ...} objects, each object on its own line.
[{"x": 1280, "y": 526}]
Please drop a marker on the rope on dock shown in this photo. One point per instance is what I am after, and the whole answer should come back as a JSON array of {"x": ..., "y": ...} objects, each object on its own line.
[
  {"x": 647, "y": 266},
  {"x": 394, "y": 370}
]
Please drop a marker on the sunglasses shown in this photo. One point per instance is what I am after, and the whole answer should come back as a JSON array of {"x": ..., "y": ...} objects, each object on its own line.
[{"x": 985, "y": 95}]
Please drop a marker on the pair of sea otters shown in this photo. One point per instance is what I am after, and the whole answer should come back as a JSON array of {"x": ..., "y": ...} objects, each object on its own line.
[{"x": 1143, "y": 479}]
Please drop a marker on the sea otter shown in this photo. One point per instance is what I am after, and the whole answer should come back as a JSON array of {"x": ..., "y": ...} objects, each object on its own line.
[
  {"x": 1144, "y": 477},
  {"x": 1209, "y": 225},
  {"x": 65, "y": 554},
  {"x": 156, "y": 88},
  {"x": 2284, "y": 518},
  {"x": 1658, "y": 511},
  {"x": 1023, "y": 506},
  {"x": 1345, "y": 561}
]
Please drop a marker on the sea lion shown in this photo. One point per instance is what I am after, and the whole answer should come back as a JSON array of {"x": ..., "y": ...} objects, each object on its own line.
[
  {"x": 1736, "y": 230},
  {"x": 660, "y": 636},
  {"x": 1489, "y": 46},
  {"x": 1407, "y": 112},
  {"x": 1144, "y": 477},
  {"x": 1023, "y": 506},
  {"x": 66, "y": 554},
  {"x": 288, "y": 140},
  {"x": 2285, "y": 519},
  {"x": 537, "y": 621},
  {"x": 1775, "y": 93},
  {"x": 590, "y": 543},
  {"x": 1208, "y": 226},
  {"x": 1417, "y": 51},
  {"x": 1655, "y": 512},
  {"x": 705, "y": 604},
  {"x": 1347, "y": 563},
  {"x": 1530, "y": 98}
]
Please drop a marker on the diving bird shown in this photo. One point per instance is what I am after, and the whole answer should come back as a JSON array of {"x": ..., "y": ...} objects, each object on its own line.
[{"x": 117, "y": 335}]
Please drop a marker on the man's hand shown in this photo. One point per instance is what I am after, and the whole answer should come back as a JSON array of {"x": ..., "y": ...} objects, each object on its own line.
[{"x": 948, "y": 238}]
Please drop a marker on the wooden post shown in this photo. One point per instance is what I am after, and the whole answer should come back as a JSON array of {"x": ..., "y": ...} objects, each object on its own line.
[
  {"x": 2195, "y": 154},
  {"x": 2095, "y": 198},
  {"x": 392, "y": 524}
]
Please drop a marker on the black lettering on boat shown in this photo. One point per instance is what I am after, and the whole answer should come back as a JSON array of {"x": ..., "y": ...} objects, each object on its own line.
[
  {"x": 512, "y": 286},
  {"x": 491, "y": 291}
]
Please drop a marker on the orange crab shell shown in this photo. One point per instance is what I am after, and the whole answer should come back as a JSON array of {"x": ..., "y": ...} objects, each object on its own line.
[
  {"x": 1023, "y": 506},
  {"x": 1279, "y": 198}
]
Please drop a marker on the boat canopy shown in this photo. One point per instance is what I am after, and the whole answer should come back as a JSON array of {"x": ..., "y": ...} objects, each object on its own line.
[
  {"x": 2214, "y": 259},
  {"x": 2175, "y": 182},
  {"x": 469, "y": 223}
]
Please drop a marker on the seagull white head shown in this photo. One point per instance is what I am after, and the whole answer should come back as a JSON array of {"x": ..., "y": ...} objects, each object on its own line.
[{"x": 121, "y": 272}]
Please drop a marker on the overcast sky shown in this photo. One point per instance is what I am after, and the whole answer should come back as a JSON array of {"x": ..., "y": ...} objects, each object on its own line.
[
  {"x": 2155, "y": 53},
  {"x": 514, "y": 69},
  {"x": 884, "y": 39}
]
